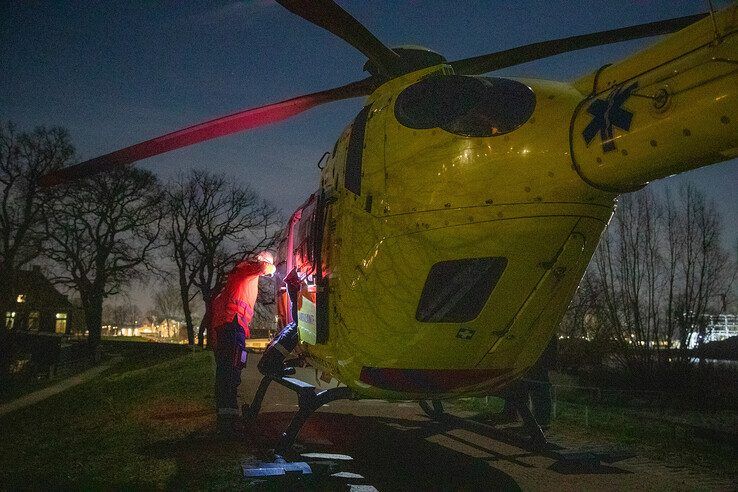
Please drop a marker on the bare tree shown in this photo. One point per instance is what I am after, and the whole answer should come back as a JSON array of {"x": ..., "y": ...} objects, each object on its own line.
[
  {"x": 120, "y": 315},
  {"x": 180, "y": 233},
  {"x": 101, "y": 233},
  {"x": 168, "y": 305},
  {"x": 658, "y": 271},
  {"x": 213, "y": 225},
  {"x": 24, "y": 158},
  {"x": 627, "y": 266},
  {"x": 703, "y": 268}
]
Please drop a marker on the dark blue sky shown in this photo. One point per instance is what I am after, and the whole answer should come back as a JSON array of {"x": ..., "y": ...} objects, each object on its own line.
[{"x": 115, "y": 73}]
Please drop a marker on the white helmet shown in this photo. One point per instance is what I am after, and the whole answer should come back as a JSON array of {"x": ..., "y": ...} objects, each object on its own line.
[{"x": 265, "y": 257}]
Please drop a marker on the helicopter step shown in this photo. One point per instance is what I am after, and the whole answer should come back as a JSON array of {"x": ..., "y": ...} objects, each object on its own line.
[{"x": 309, "y": 399}]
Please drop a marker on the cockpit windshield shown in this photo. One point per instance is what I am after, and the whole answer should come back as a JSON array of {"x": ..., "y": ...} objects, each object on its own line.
[{"x": 467, "y": 106}]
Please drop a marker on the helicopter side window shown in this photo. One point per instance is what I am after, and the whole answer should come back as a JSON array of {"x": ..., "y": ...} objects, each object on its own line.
[
  {"x": 466, "y": 106},
  {"x": 457, "y": 290},
  {"x": 352, "y": 178}
]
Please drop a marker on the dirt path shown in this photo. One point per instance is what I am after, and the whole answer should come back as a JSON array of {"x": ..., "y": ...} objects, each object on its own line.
[
  {"x": 394, "y": 446},
  {"x": 63, "y": 385}
]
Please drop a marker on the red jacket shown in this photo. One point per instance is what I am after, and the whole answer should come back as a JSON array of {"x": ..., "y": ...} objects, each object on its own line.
[{"x": 238, "y": 297}]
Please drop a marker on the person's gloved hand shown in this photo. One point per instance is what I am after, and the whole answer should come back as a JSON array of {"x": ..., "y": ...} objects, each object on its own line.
[{"x": 269, "y": 269}]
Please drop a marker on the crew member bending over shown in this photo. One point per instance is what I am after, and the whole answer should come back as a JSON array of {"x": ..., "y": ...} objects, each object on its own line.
[{"x": 232, "y": 310}]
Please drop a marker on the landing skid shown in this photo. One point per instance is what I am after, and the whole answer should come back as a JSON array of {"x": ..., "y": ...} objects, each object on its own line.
[
  {"x": 435, "y": 411},
  {"x": 309, "y": 399},
  {"x": 530, "y": 424}
]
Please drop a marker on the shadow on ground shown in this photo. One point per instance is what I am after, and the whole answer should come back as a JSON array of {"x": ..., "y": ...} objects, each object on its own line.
[{"x": 388, "y": 453}]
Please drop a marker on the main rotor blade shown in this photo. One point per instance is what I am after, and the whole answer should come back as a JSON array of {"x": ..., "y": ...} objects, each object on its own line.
[
  {"x": 331, "y": 17},
  {"x": 522, "y": 54},
  {"x": 219, "y": 127}
]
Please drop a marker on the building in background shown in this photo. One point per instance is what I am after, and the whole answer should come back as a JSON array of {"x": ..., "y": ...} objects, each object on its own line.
[
  {"x": 39, "y": 307},
  {"x": 719, "y": 327}
]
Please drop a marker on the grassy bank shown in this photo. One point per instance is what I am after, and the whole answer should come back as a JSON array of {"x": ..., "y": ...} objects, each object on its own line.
[
  {"x": 148, "y": 421},
  {"x": 648, "y": 435},
  {"x": 123, "y": 429}
]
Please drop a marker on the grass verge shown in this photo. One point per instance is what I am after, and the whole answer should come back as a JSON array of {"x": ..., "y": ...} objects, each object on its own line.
[{"x": 145, "y": 423}]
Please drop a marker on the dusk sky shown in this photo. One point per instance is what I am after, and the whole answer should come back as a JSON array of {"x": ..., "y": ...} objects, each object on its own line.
[{"x": 116, "y": 73}]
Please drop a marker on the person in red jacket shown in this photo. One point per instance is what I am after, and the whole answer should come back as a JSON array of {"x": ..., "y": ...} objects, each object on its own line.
[{"x": 231, "y": 313}]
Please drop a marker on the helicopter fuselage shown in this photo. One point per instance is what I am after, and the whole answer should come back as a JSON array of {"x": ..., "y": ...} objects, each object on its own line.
[{"x": 441, "y": 264}]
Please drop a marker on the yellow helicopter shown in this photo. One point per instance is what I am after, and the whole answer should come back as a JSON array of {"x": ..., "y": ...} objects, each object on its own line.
[{"x": 457, "y": 213}]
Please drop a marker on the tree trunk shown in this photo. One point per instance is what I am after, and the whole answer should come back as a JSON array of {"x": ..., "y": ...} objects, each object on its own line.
[
  {"x": 92, "y": 305},
  {"x": 204, "y": 328},
  {"x": 202, "y": 331},
  {"x": 5, "y": 351},
  {"x": 184, "y": 293},
  {"x": 6, "y": 305}
]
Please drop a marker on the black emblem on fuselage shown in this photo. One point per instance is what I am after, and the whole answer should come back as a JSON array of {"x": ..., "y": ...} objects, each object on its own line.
[{"x": 607, "y": 114}]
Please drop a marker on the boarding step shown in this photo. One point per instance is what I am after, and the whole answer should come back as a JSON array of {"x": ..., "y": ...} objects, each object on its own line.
[{"x": 296, "y": 385}]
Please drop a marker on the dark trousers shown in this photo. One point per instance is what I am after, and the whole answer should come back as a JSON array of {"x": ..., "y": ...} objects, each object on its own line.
[
  {"x": 535, "y": 391},
  {"x": 230, "y": 359}
]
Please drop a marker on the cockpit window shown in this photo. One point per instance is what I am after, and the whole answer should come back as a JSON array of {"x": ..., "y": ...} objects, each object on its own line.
[
  {"x": 457, "y": 290},
  {"x": 467, "y": 106}
]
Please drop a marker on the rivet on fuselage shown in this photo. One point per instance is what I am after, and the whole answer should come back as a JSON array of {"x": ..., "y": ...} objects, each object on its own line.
[
  {"x": 624, "y": 152},
  {"x": 653, "y": 143},
  {"x": 488, "y": 201},
  {"x": 724, "y": 120},
  {"x": 686, "y": 132}
]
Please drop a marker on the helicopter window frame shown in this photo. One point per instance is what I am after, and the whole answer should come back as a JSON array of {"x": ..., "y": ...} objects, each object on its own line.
[
  {"x": 355, "y": 152},
  {"x": 456, "y": 291},
  {"x": 468, "y": 106}
]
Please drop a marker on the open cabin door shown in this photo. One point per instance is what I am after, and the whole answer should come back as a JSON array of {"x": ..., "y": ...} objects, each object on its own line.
[{"x": 299, "y": 249}]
